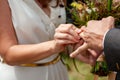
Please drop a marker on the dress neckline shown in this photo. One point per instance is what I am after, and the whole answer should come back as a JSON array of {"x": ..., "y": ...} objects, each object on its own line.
[{"x": 49, "y": 16}]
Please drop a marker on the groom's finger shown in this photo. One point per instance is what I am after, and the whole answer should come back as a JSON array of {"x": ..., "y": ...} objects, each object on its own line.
[
  {"x": 92, "y": 52},
  {"x": 89, "y": 59},
  {"x": 79, "y": 50},
  {"x": 85, "y": 59}
]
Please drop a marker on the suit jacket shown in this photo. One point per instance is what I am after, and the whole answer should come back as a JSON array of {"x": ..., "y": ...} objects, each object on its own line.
[{"x": 112, "y": 50}]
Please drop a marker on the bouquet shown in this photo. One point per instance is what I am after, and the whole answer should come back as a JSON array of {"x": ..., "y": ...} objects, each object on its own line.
[{"x": 82, "y": 12}]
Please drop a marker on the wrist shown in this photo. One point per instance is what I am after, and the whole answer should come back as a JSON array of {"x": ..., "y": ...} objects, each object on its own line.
[
  {"x": 55, "y": 47},
  {"x": 100, "y": 45}
]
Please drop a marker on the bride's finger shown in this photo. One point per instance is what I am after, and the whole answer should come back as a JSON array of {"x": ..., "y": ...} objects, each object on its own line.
[
  {"x": 83, "y": 28},
  {"x": 78, "y": 44},
  {"x": 64, "y": 42},
  {"x": 68, "y": 28},
  {"x": 65, "y": 36},
  {"x": 74, "y": 33}
]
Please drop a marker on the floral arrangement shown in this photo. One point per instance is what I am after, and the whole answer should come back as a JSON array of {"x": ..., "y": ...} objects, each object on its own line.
[{"x": 82, "y": 12}]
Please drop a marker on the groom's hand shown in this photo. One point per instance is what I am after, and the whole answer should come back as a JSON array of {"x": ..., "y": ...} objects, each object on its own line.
[
  {"x": 93, "y": 37},
  {"x": 100, "y": 26},
  {"x": 95, "y": 31}
]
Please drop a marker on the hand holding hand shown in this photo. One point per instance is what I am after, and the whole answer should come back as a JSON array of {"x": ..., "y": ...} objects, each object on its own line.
[
  {"x": 93, "y": 38},
  {"x": 82, "y": 52},
  {"x": 95, "y": 31},
  {"x": 66, "y": 34}
]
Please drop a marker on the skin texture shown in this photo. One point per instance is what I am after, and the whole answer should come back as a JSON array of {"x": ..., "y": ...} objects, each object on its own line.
[
  {"x": 93, "y": 39},
  {"x": 14, "y": 54}
]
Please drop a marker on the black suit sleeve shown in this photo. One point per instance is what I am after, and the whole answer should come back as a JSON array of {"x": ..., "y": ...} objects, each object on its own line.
[{"x": 112, "y": 49}]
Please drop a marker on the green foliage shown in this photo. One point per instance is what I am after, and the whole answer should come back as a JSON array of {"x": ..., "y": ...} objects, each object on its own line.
[
  {"x": 81, "y": 12},
  {"x": 110, "y": 5},
  {"x": 100, "y": 68},
  {"x": 68, "y": 61},
  {"x": 84, "y": 72}
]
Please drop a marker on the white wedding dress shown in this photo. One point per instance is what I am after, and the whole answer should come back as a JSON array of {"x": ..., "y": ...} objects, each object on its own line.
[{"x": 33, "y": 26}]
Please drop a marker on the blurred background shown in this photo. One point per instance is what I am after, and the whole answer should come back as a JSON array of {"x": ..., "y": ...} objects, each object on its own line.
[{"x": 84, "y": 72}]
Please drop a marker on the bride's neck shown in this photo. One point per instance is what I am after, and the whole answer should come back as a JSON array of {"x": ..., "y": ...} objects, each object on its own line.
[{"x": 43, "y": 3}]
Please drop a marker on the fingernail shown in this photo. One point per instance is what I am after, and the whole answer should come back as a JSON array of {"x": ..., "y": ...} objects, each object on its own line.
[
  {"x": 71, "y": 56},
  {"x": 78, "y": 30}
]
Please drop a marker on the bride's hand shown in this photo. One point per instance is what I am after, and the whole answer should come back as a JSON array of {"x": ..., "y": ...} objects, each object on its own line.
[
  {"x": 66, "y": 34},
  {"x": 80, "y": 47}
]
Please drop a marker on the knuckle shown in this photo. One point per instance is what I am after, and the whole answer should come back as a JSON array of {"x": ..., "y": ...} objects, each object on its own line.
[
  {"x": 90, "y": 22},
  {"x": 103, "y": 18},
  {"x": 70, "y": 25},
  {"x": 57, "y": 29},
  {"x": 66, "y": 36},
  {"x": 67, "y": 28},
  {"x": 110, "y": 17},
  {"x": 61, "y": 25},
  {"x": 55, "y": 36}
]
